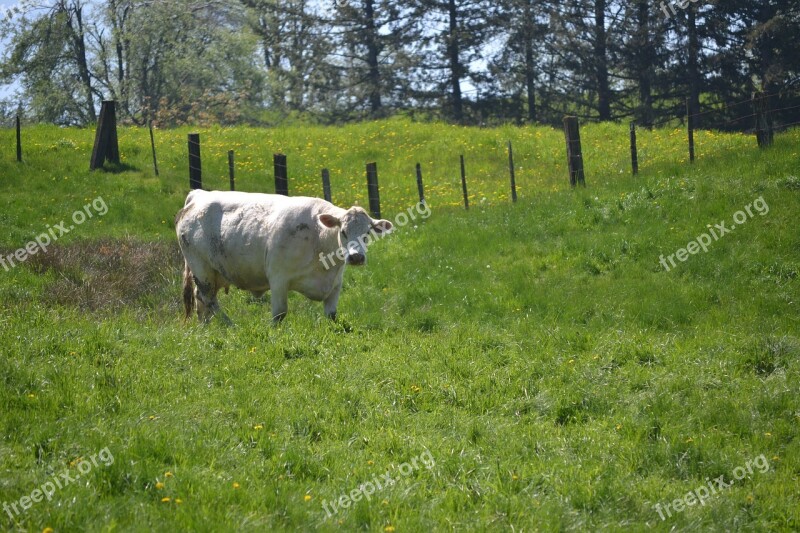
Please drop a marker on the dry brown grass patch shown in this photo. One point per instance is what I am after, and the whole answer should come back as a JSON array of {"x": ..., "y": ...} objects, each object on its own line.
[{"x": 112, "y": 274}]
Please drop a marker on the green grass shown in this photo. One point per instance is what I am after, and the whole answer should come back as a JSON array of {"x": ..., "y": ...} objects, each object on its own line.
[{"x": 557, "y": 374}]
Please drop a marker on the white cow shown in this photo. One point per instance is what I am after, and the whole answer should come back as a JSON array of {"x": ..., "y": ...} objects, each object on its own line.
[{"x": 260, "y": 242}]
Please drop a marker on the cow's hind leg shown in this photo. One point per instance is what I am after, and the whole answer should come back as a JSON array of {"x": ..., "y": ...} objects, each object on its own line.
[
  {"x": 206, "y": 298},
  {"x": 207, "y": 284}
]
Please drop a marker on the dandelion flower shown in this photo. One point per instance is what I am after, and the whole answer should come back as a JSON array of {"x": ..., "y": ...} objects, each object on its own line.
[
  {"x": 159, "y": 485},
  {"x": 307, "y": 497}
]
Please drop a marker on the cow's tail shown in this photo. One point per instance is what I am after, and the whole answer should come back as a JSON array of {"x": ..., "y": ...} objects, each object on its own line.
[{"x": 188, "y": 290}]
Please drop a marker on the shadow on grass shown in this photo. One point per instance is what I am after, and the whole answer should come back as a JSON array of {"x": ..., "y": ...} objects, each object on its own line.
[{"x": 118, "y": 168}]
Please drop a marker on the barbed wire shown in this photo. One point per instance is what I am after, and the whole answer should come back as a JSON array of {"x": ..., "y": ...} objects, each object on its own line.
[
  {"x": 748, "y": 101},
  {"x": 732, "y": 105},
  {"x": 786, "y": 126}
]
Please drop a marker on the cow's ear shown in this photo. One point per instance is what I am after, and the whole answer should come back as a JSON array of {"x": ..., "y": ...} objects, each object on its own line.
[
  {"x": 382, "y": 226},
  {"x": 329, "y": 221}
]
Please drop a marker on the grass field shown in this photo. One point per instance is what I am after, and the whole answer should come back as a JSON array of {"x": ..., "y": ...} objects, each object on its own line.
[{"x": 514, "y": 367}]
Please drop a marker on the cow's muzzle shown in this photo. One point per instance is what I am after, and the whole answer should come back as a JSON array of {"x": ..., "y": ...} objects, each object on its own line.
[{"x": 356, "y": 259}]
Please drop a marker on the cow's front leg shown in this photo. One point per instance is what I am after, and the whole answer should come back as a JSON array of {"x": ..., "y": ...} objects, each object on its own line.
[
  {"x": 280, "y": 302},
  {"x": 332, "y": 301}
]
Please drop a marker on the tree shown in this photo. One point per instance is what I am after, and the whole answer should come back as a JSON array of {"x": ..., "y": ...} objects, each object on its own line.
[
  {"x": 453, "y": 40},
  {"x": 644, "y": 57},
  {"x": 375, "y": 39},
  {"x": 177, "y": 61},
  {"x": 516, "y": 64},
  {"x": 296, "y": 45},
  {"x": 763, "y": 39},
  {"x": 586, "y": 44},
  {"x": 197, "y": 61},
  {"x": 48, "y": 54}
]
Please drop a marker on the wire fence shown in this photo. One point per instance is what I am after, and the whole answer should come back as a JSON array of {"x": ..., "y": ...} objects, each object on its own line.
[
  {"x": 783, "y": 107},
  {"x": 572, "y": 155}
]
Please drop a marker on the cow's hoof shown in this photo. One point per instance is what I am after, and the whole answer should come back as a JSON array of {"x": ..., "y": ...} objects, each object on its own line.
[
  {"x": 332, "y": 316},
  {"x": 277, "y": 319}
]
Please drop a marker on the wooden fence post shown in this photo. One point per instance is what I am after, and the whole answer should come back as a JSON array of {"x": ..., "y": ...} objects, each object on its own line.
[
  {"x": 763, "y": 116},
  {"x": 690, "y": 127},
  {"x": 106, "y": 145},
  {"x": 372, "y": 190},
  {"x": 19, "y": 141},
  {"x": 420, "y": 187},
  {"x": 281, "y": 176},
  {"x": 153, "y": 148},
  {"x": 634, "y": 154},
  {"x": 195, "y": 165},
  {"x": 511, "y": 172},
  {"x": 574, "y": 152},
  {"x": 326, "y": 184},
  {"x": 464, "y": 184},
  {"x": 231, "y": 172}
]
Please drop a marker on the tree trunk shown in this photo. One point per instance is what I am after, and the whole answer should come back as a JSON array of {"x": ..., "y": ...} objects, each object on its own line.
[
  {"x": 121, "y": 41},
  {"x": 601, "y": 61},
  {"x": 693, "y": 67},
  {"x": 79, "y": 45},
  {"x": 645, "y": 52},
  {"x": 453, "y": 50},
  {"x": 372, "y": 59},
  {"x": 264, "y": 29},
  {"x": 530, "y": 66},
  {"x": 530, "y": 81}
]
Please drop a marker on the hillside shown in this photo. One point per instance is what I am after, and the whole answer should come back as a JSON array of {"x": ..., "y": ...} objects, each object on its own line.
[{"x": 530, "y": 365}]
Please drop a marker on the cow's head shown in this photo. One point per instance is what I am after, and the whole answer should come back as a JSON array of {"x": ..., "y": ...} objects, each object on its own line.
[{"x": 356, "y": 230}]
